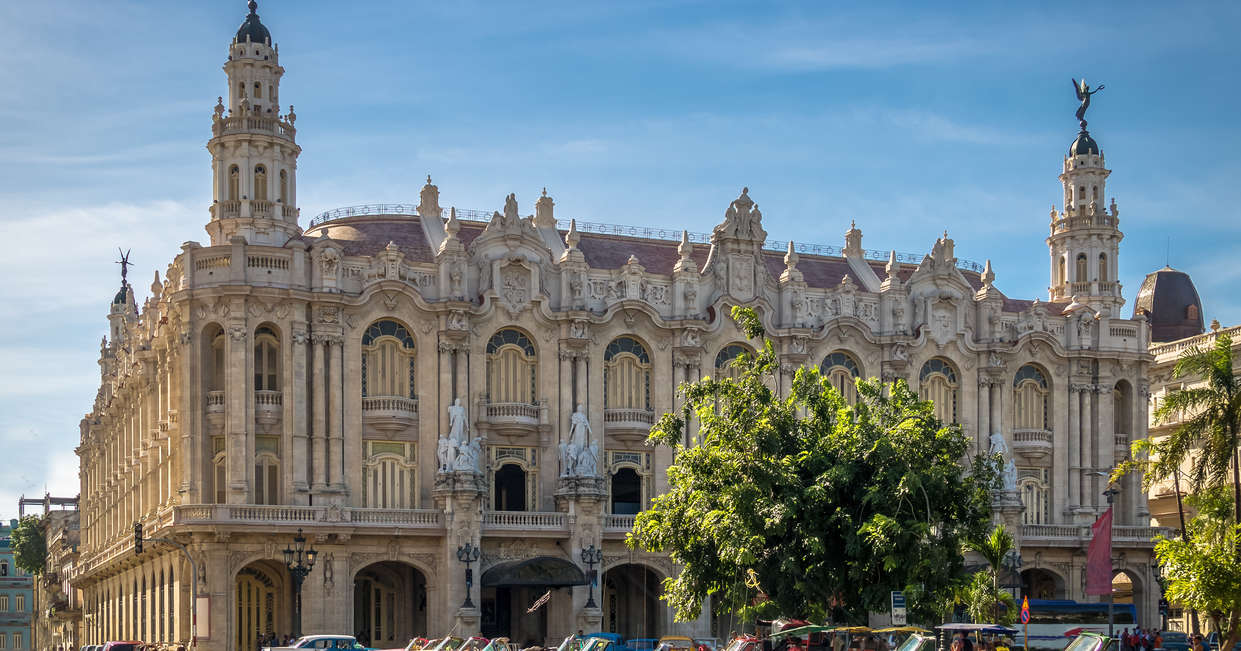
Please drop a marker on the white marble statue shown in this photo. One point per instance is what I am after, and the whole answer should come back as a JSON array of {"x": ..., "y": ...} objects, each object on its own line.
[
  {"x": 1010, "y": 475},
  {"x": 998, "y": 445},
  {"x": 467, "y": 457},
  {"x": 588, "y": 461},
  {"x": 456, "y": 422},
  {"x": 579, "y": 428},
  {"x": 445, "y": 454},
  {"x": 568, "y": 459}
]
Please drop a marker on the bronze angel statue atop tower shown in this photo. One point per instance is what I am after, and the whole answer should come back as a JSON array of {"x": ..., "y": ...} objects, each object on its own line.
[{"x": 1084, "y": 92}]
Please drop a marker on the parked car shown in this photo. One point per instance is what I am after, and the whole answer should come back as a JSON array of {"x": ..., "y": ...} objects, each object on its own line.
[
  {"x": 122, "y": 646},
  {"x": 571, "y": 643},
  {"x": 320, "y": 642},
  {"x": 1175, "y": 641},
  {"x": 642, "y": 643},
  {"x": 675, "y": 643},
  {"x": 1212, "y": 642}
]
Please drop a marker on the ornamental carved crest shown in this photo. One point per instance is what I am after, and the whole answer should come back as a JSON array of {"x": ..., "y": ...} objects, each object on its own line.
[
  {"x": 742, "y": 279},
  {"x": 514, "y": 287}
]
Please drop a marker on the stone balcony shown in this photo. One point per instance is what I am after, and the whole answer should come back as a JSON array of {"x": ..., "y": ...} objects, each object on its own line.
[
  {"x": 390, "y": 413},
  {"x": 1033, "y": 444},
  {"x": 628, "y": 424},
  {"x": 1074, "y": 535},
  {"x": 513, "y": 417},
  {"x": 268, "y": 407},
  {"x": 544, "y": 524},
  {"x": 617, "y": 526},
  {"x": 214, "y": 406}
]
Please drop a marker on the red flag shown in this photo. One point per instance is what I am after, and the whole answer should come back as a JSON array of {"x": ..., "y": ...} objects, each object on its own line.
[{"x": 1099, "y": 556}]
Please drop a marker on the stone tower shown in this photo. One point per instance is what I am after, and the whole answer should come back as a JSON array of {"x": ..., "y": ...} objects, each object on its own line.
[
  {"x": 1085, "y": 236},
  {"x": 253, "y": 150}
]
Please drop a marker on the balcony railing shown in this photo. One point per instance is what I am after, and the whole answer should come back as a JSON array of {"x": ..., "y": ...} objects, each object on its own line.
[
  {"x": 215, "y": 402},
  {"x": 526, "y": 520},
  {"x": 1073, "y": 534},
  {"x": 389, "y": 412},
  {"x": 511, "y": 413},
  {"x": 257, "y": 514},
  {"x": 628, "y": 417},
  {"x": 253, "y": 124},
  {"x": 1033, "y": 443},
  {"x": 614, "y": 522},
  {"x": 1170, "y": 351}
]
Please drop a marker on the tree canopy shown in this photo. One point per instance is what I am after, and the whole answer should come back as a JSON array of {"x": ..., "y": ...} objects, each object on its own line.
[
  {"x": 29, "y": 544},
  {"x": 984, "y": 599},
  {"x": 1202, "y": 572},
  {"x": 805, "y": 505}
]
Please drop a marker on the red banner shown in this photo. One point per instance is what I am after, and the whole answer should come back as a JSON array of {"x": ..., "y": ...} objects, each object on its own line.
[{"x": 1099, "y": 556}]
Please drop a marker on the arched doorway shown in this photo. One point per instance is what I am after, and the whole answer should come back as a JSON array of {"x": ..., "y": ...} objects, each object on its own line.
[
  {"x": 389, "y": 604},
  {"x": 509, "y": 588},
  {"x": 631, "y": 605},
  {"x": 260, "y": 599},
  {"x": 1041, "y": 583},
  {"x": 510, "y": 488}
]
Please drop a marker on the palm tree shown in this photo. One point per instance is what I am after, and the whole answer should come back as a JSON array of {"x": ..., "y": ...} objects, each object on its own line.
[
  {"x": 1209, "y": 438},
  {"x": 993, "y": 548}
]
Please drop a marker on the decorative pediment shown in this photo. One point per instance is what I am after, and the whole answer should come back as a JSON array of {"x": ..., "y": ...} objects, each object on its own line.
[{"x": 742, "y": 220}]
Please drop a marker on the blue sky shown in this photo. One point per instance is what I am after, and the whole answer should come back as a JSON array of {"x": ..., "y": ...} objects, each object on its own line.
[{"x": 910, "y": 118}]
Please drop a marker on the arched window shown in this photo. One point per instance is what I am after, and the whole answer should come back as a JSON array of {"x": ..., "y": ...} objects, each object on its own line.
[
  {"x": 1122, "y": 408},
  {"x": 234, "y": 183},
  {"x": 1081, "y": 268},
  {"x": 1191, "y": 312},
  {"x": 842, "y": 371},
  {"x": 724, "y": 359},
  {"x": 1062, "y": 277},
  {"x": 510, "y": 488},
  {"x": 4, "y": 568},
  {"x": 388, "y": 474},
  {"x": 1030, "y": 398},
  {"x": 215, "y": 377},
  {"x": 511, "y": 367},
  {"x": 938, "y": 383},
  {"x": 626, "y": 492},
  {"x": 241, "y": 89},
  {"x": 1035, "y": 495},
  {"x": 266, "y": 360},
  {"x": 1102, "y": 267},
  {"x": 627, "y": 375},
  {"x": 387, "y": 360},
  {"x": 1081, "y": 192},
  {"x": 1094, "y": 193},
  {"x": 266, "y": 479},
  {"x": 258, "y": 89},
  {"x": 284, "y": 186},
  {"x": 260, "y": 183}
]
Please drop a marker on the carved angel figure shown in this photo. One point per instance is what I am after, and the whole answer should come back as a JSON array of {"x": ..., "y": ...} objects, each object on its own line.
[{"x": 1083, "y": 93}]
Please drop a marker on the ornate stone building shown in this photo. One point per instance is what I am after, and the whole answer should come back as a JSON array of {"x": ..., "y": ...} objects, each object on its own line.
[{"x": 398, "y": 381}]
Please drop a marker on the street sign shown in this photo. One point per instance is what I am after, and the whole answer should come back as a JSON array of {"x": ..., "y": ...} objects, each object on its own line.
[
  {"x": 898, "y": 608},
  {"x": 1025, "y": 610}
]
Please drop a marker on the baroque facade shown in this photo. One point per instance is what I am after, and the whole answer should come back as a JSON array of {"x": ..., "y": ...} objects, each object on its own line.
[{"x": 398, "y": 381}]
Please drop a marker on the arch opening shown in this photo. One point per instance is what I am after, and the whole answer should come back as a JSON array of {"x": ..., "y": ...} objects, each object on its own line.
[
  {"x": 261, "y": 607},
  {"x": 631, "y": 605},
  {"x": 389, "y": 604},
  {"x": 510, "y": 488}
]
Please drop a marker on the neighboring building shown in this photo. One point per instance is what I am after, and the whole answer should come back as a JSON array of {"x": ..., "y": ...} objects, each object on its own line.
[
  {"x": 16, "y": 596},
  {"x": 57, "y": 616},
  {"x": 1169, "y": 301},
  {"x": 277, "y": 380}
]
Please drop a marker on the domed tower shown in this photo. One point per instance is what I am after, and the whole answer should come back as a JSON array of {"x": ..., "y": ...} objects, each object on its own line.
[
  {"x": 1169, "y": 301},
  {"x": 253, "y": 151},
  {"x": 1085, "y": 236}
]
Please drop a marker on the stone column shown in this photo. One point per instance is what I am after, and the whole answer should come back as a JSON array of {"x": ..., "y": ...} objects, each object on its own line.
[
  {"x": 1075, "y": 450},
  {"x": 1107, "y": 448},
  {"x": 581, "y": 395},
  {"x": 318, "y": 436},
  {"x": 237, "y": 394},
  {"x": 296, "y": 393},
  {"x": 445, "y": 389},
  {"x": 335, "y": 422},
  {"x": 462, "y": 374},
  {"x": 984, "y": 415},
  {"x": 1090, "y": 434}
]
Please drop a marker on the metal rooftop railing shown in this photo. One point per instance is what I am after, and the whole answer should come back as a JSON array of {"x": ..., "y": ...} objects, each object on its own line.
[{"x": 651, "y": 233}]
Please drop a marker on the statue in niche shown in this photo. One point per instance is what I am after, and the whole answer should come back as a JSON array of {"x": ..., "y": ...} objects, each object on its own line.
[
  {"x": 1010, "y": 475},
  {"x": 579, "y": 458}
]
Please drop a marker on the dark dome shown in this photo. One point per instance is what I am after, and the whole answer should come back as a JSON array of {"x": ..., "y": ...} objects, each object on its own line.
[
  {"x": 122, "y": 295},
  {"x": 1170, "y": 302},
  {"x": 1084, "y": 145},
  {"x": 252, "y": 28}
]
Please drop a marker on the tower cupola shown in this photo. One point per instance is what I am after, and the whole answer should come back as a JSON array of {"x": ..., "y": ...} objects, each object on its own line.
[{"x": 253, "y": 146}]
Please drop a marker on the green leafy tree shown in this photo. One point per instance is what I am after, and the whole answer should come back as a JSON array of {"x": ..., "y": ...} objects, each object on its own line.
[
  {"x": 29, "y": 544},
  {"x": 805, "y": 505},
  {"x": 1208, "y": 439},
  {"x": 1202, "y": 572},
  {"x": 984, "y": 599}
]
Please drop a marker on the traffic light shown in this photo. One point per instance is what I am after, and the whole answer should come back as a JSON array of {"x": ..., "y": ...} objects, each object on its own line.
[
  {"x": 137, "y": 538},
  {"x": 1163, "y": 607}
]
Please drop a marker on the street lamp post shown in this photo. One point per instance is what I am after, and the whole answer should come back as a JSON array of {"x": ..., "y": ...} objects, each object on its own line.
[
  {"x": 1012, "y": 563},
  {"x": 468, "y": 554},
  {"x": 1111, "y": 494},
  {"x": 1163, "y": 596},
  {"x": 591, "y": 557},
  {"x": 300, "y": 561}
]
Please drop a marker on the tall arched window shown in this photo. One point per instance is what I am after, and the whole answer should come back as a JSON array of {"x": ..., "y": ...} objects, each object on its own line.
[
  {"x": 258, "y": 89},
  {"x": 1122, "y": 408},
  {"x": 1102, "y": 267},
  {"x": 388, "y": 475},
  {"x": 387, "y": 360},
  {"x": 1035, "y": 495},
  {"x": 284, "y": 186},
  {"x": 723, "y": 360},
  {"x": 627, "y": 375},
  {"x": 215, "y": 377},
  {"x": 266, "y": 479},
  {"x": 510, "y": 488},
  {"x": 511, "y": 367},
  {"x": 1062, "y": 278},
  {"x": 260, "y": 183},
  {"x": 234, "y": 183},
  {"x": 938, "y": 383},
  {"x": 1081, "y": 268},
  {"x": 1030, "y": 398},
  {"x": 842, "y": 371},
  {"x": 266, "y": 360}
]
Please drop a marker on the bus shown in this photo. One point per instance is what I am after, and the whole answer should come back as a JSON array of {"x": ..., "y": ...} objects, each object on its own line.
[{"x": 1055, "y": 622}]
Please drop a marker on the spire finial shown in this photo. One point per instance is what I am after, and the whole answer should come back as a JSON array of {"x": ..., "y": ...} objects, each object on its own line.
[
  {"x": 428, "y": 179},
  {"x": 124, "y": 262},
  {"x": 254, "y": 7}
]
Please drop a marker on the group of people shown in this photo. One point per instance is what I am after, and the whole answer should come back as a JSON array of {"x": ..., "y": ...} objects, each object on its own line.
[
  {"x": 1143, "y": 639},
  {"x": 272, "y": 639}
]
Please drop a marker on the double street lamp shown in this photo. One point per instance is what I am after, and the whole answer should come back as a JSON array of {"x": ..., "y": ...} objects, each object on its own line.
[
  {"x": 591, "y": 557},
  {"x": 468, "y": 554},
  {"x": 300, "y": 561}
]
